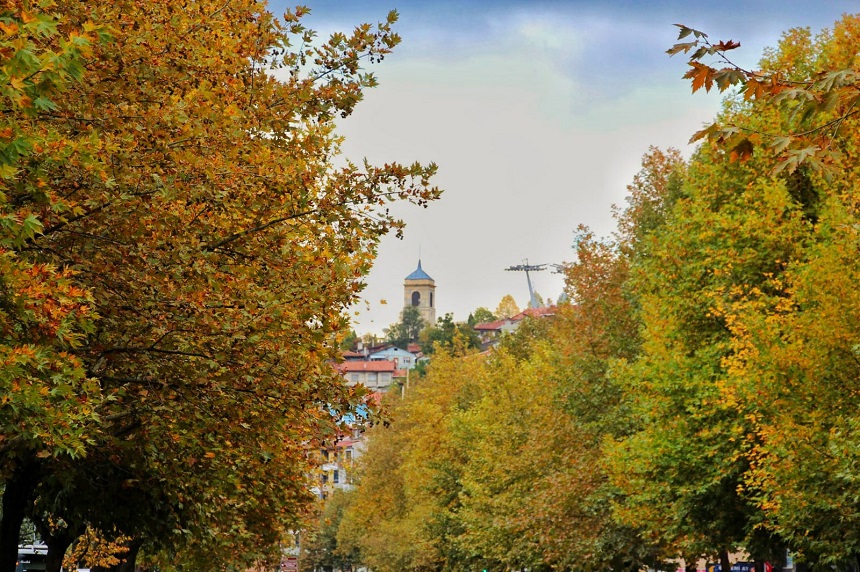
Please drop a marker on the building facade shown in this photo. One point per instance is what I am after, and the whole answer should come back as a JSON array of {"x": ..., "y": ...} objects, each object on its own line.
[
  {"x": 376, "y": 375},
  {"x": 336, "y": 463},
  {"x": 401, "y": 358}
]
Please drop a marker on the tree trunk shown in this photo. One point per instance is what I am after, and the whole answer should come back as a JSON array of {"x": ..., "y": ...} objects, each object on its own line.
[
  {"x": 129, "y": 563},
  {"x": 690, "y": 564},
  {"x": 57, "y": 545},
  {"x": 725, "y": 564},
  {"x": 17, "y": 496},
  {"x": 56, "y": 553}
]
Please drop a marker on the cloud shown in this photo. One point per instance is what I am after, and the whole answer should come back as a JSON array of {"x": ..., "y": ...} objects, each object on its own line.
[
  {"x": 538, "y": 114},
  {"x": 523, "y": 160}
]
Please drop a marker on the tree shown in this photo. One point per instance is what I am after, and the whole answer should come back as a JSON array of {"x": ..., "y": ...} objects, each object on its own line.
[
  {"x": 507, "y": 307},
  {"x": 408, "y": 329},
  {"x": 791, "y": 351},
  {"x": 723, "y": 246},
  {"x": 591, "y": 338},
  {"x": 509, "y": 433},
  {"x": 49, "y": 405},
  {"x": 448, "y": 334},
  {"x": 349, "y": 341},
  {"x": 320, "y": 548},
  {"x": 801, "y": 352},
  {"x": 481, "y": 315},
  {"x": 404, "y": 514},
  {"x": 178, "y": 255},
  {"x": 816, "y": 100}
]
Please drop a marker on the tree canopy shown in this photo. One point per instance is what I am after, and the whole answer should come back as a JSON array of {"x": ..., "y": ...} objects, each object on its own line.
[
  {"x": 507, "y": 307},
  {"x": 177, "y": 250}
]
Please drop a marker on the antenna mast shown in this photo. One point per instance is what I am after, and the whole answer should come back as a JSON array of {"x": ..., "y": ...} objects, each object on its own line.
[{"x": 526, "y": 267}]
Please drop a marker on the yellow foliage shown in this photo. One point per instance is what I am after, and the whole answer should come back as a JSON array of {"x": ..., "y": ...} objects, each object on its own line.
[{"x": 93, "y": 549}]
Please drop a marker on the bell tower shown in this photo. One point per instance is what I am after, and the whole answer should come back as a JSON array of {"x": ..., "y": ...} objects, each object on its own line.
[{"x": 419, "y": 290}]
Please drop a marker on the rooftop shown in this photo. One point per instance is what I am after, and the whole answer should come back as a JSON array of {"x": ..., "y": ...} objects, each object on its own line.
[
  {"x": 355, "y": 366},
  {"x": 419, "y": 274},
  {"x": 527, "y": 313}
]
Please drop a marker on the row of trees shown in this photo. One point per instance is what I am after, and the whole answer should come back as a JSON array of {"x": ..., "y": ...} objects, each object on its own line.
[
  {"x": 177, "y": 250},
  {"x": 700, "y": 394}
]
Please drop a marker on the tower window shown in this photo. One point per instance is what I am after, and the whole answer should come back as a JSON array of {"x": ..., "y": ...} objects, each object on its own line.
[
  {"x": 431, "y": 299},
  {"x": 416, "y": 298}
]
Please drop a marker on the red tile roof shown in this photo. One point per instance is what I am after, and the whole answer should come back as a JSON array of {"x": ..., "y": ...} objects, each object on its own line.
[
  {"x": 527, "y": 313},
  {"x": 535, "y": 313},
  {"x": 346, "y": 442},
  {"x": 375, "y": 365},
  {"x": 492, "y": 326}
]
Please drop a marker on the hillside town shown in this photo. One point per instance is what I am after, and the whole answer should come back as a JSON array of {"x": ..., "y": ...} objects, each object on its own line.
[{"x": 384, "y": 367}]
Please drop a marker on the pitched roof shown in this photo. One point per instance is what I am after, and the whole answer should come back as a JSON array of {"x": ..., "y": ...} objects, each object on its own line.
[
  {"x": 492, "y": 326},
  {"x": 357, "y": 366},
  {"x": 535, "y": 313},
  {"x": 527, "y": 313},
  {"x": 347, "y": 442},
  {"x": 379, "y": 348},
  {"x": 419, "y": 274},
  {"x": 389, "y": 349}
]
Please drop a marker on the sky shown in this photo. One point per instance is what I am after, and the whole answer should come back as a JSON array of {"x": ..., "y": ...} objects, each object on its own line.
[{"x": 538, "y": 114}]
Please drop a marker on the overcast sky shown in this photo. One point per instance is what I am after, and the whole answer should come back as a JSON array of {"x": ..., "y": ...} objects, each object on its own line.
[{"x": 538, "y": 114}]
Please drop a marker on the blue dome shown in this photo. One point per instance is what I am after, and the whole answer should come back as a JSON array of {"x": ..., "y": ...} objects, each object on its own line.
[{"x": 419, "y": 274}]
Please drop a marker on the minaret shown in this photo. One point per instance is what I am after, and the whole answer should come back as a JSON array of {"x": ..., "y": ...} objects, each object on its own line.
[{"x": 419, "y": 290}]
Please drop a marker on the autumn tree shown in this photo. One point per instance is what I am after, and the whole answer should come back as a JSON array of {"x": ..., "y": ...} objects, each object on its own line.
[
  {"x": 791, "y": 347},
  {"x": 800, "y": 350},
  {"x": 320, "y": 547},
  {"x": 817, "y": 100},
  {"x": 507, "y": 307},
  {"x": 511, "y": 437},
  {"x": 592, "y": 337},
  {"x": 721, "y": 252},
  {"x": 178, "y": 251},
  {"x": 404, "y": 516},
  {"x": 49, "y": 405}
]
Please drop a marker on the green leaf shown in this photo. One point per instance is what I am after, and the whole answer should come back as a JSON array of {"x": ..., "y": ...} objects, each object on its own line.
[
  {"x": 31, "y": 226},
  {"x": 42, "y": 103}
]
